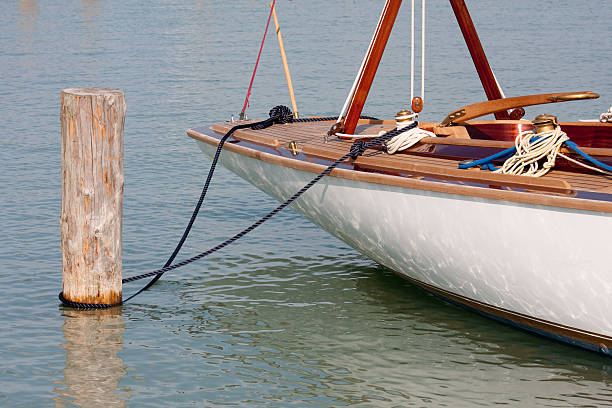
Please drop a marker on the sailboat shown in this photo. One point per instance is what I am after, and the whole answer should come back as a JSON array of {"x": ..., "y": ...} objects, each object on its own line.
[{"x": 506, "y": 217}]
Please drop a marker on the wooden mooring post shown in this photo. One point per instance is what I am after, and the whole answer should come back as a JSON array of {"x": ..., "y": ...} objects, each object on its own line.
[{"x": 92, "y": 194}]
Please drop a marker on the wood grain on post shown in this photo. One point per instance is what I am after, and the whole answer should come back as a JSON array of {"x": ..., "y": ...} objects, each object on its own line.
[{"x": 92, "y": 194}]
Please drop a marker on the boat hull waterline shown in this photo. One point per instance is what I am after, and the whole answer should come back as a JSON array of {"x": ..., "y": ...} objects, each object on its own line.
[{"x": 537, "y": 267}]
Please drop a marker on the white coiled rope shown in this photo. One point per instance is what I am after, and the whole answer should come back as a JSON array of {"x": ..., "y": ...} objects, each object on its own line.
[
  {"x": 407, "y": 139},
  {"x": 402, "y": 141},
  {"x": 606, "y": 116},
  {"x": 530, "y": 152}
]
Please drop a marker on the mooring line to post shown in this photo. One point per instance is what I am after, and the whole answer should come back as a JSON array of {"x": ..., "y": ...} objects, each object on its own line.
[{"x": 279, "y": 114}]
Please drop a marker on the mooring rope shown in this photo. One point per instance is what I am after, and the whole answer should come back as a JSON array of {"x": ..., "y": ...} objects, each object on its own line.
[{"x": 278, "y": 115}]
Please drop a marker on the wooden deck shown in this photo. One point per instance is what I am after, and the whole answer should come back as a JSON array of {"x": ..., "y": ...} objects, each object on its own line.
[{"x": 570, "y": 187}]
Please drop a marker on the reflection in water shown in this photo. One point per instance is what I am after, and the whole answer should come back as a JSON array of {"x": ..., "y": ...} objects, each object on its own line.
[
  {"x": 93, "y": 369},
  {"x": 289, "y": 313},
  {"x": 500, "y": 341},
  {"x": 91, "y": 9},
  {"x": 28, "y": 11},
  {"x": 336, "y": 333}
]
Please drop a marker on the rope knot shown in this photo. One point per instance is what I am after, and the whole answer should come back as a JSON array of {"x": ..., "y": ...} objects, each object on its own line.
[
  {"x": 357, "y": 149},
  {"x": 281, "y": 114}
]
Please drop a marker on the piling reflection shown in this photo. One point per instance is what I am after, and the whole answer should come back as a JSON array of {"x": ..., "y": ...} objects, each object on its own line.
[
  {"x": 28, "y": 13},
  {"x": 93, "y": 367},
  {"x": 91, "y": 9}
]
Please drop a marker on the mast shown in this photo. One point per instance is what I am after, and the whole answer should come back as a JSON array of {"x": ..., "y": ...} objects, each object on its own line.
[
  {"x": 366, "y": 76},
  {"x": 481, "y": 63}
]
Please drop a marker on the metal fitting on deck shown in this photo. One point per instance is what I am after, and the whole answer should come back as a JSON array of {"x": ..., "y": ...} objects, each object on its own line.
[{"x": 545, "y": 123}]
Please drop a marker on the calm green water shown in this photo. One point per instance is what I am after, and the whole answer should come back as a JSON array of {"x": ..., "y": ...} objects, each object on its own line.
[{"x": 289, "y": 316}]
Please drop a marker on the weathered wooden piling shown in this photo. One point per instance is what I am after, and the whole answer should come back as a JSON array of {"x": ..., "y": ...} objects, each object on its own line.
[{"x": 92, "y": 194}]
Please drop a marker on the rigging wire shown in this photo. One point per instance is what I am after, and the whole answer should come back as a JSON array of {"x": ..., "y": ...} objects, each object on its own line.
[
  {"x": 412, "y": 50},
  {"x": 246, "y": 99},
  {"x": 423, "y": 51},
  {"x": 359, "y": 73}
]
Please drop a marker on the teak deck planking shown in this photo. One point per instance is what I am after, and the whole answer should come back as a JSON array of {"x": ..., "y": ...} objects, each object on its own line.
[{"x": 557, "y": 188}]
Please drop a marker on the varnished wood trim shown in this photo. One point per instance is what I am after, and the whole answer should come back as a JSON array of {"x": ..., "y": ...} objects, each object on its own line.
[
  {"x": 477, "y": 110},
  {"x": 255, "y": 138},
  {"x": 397, "y": 164},
  {"x": 309, "y": 136},
  {"x": 477, "y": 52},
  {"x": 440, "y": 187},
  {"x": 473, "y": 175},
  {"x": 375, "y": 52}
]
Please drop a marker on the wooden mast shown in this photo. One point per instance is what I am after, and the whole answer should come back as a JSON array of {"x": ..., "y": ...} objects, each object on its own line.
[
  {"x": 481, "y": 63},
  {"x": 366, "y": 76}
]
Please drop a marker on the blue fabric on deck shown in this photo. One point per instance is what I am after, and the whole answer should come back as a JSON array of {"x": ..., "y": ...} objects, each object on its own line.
[
  {"x": 486, "y": 163},
  {"x": 585, "y": 156}
]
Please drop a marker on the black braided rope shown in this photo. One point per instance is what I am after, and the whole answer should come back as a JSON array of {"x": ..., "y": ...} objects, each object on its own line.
[
  {"x": 362, "y": 146},
  {"x": 278, "y": 114},
  {"x": 327, "y": 119}
]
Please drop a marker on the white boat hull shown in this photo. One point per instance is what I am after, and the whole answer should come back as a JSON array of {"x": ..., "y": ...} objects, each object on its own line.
[{"x": 542, "y": 268}]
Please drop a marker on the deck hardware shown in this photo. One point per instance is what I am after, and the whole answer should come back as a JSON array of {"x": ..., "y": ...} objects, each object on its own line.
[
  {"x": 417, "y": 104},
  {"x": 545, "y": 123},
  {"x": 517, "y": 113},
  {"x": 294, "y": 148},
  {"x": 337, "y": 127},
  {"x": 576, "y": 96},
  {"x": 452, "y": 117},
  {"x": 404, "y": 116}
]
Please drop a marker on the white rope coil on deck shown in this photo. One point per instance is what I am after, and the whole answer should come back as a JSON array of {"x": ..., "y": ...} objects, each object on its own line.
[
  {"x": 407, "y": 139},
  {"x": 606, "y": 116},
  {"x": 400, "y": 142},
  {"x": 530, "y": 151}
]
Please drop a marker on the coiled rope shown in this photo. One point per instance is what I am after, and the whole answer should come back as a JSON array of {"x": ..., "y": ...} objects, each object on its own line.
[
  {"x": 402, "y": 141},
  {"x": 398, "y": 143},
  {"x": 534, "y": 155},
  {"x": 407, "y": 139},
  {"x": 530, "y": 150},
  {"x": 278, "y": 115}
]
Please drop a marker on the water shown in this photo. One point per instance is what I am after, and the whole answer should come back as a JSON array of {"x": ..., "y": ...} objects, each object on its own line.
[{"x": 289, "y": 315}]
